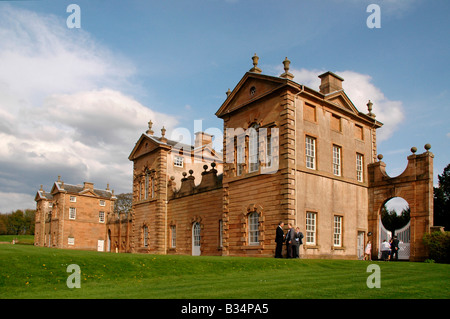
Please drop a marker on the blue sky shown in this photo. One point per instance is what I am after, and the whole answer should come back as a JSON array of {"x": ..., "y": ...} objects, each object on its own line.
[{"x": 74, "y": 101}]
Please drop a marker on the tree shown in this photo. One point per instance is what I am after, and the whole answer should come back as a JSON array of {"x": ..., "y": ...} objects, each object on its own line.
[
  {"x": 442, "y": 199},
  {"x": 392, "y": 221},
  {"x": 123, "y": 203},
  {"x": 18, "y": 222}
]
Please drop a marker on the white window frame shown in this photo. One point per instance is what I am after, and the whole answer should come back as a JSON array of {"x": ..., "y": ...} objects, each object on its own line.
[
  {"x": 101, "y": 216},
  {"x": 72, "y": 213},
  {"x": 310, "y": 152},
  {"x": 71, "y": 241},
  {"x": 311, "y": 228},
  {"x": 253, "y": 228},
  {"x": 73, "y": 199},
  {"x": 359, "y": 167},
  {"x": 337, "y": 151},
  {"x": 178, "y": 161},
  {"x": 337, "y": 231}
]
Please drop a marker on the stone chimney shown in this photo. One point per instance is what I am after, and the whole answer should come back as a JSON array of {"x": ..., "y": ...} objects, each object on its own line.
[
  {"x": 88, "y": 185},
  {"x": 202, "y": 138},
  {"x": 330, "y": 83}
]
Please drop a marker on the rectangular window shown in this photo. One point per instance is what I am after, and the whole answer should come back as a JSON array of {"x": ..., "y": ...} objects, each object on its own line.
[
  {"x": 253, "y": 228},
  {"x": 146, "y": 187},
  {"x": 269, "y": 152},
  {"x": 102, "y": 202},
  {"x": 173, "y": 236},
  {"x": 311, "y": 228},
  {"x": 221, "y": 233},
  {"x": 336, "y": 160},
  {"x": 359, "y": 167},
  {"x": 71, "y": 241},
  {"x": 335, "y": 122},
  {"x": 72, "y": 213},
  {"x": 178, "y": 161},
  {"x": 337, "y": 233},
  {"x": 153, "y": 187},
  {"x": 253, "y": 151},
  {"x": 310, "y": 151},
  {"x": 240, "y": 158},
  {"x": 145, "y": 234},
  {"x": 101, "y": 217},
  {"x": 73, "y": 199}
]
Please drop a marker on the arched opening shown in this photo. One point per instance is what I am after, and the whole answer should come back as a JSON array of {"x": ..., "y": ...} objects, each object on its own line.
[
  {"x": 395, "y": 214},
  {"x": 394, "y": 230}
]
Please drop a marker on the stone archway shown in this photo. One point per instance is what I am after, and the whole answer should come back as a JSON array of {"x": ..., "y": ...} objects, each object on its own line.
[{"x": 415, "y": 185}]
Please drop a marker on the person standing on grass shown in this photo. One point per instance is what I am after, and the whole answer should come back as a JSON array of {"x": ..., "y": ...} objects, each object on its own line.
[
  {"x": 385, "y": 250},
  {"x": 299, "y": 241},
  {"x": 394, "y": 248},
  {"x": 279, "y": 239},
  {"x": 368, "y": 251},
  {"x": 290, "y": 240}
]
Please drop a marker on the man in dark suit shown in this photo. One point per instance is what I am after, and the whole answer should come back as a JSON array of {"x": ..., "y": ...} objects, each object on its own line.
[
  {"x": 290, "y": 241},
  {"x": 279, "y": 239},
  {"x": 394, "y": 248}
]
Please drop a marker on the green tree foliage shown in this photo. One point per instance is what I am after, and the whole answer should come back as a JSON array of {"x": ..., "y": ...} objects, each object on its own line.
[
  {"x": 18, "y": 222},
  {"x": 123, "y": 204},
  {"x": 442, "y": 199},
  {"x": 438, "y": 244},
  {"x": 392, "y": 221}
]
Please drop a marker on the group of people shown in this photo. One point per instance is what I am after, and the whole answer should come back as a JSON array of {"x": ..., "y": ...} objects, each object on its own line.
[
  {"x": 389, "y": 249},
  {"x": 293, "y": 239}
]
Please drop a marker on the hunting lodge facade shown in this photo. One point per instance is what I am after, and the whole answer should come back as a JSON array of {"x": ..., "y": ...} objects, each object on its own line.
[{"x": 296, "y": 155}]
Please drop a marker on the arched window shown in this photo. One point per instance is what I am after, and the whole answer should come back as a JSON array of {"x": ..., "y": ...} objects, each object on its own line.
[{"x": 253, "y": 228}]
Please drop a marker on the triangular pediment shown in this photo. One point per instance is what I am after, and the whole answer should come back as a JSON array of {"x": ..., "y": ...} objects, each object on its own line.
[
  {"x": 88, "y": 192},
  {"x": 144, "y": 145},
  {"x": 250, "y": 88},
  {"x": 341, "y": 99}
]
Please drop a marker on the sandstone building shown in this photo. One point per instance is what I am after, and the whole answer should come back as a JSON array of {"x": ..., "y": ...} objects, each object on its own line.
[
  {"x": 290, "y": 153},
  {"x": 73, "y": 216},
  {"x": 314, "y": 167}
]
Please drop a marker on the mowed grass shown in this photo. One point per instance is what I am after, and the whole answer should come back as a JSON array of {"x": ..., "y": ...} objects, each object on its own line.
[{"x": 37, "y": 272}]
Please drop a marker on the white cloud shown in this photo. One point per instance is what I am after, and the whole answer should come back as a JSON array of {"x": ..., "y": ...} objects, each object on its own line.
[
  {"x": 360, "y": 90},
  {"x": 61, "y": 109}
]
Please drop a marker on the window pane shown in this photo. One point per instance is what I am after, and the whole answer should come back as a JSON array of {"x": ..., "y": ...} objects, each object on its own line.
[{"x": 310, "y": 151}]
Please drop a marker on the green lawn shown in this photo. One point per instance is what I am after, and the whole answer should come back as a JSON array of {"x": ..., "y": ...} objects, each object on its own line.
[{"x": 36, "y": 272}]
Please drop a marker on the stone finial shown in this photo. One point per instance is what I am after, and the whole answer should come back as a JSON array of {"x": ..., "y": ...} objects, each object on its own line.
[
  {"x": 427, "y": 147},
  {"x": 228, "y": 92},
  {"x": 380, "y": 157},
  {"x": 150, "y": 131},
  {"x": 163, "y": 135},
  {"x": 413, "y": 149},
  {"x": 42, "y": 188},
  {"x": 287, "y": 74},
  {"x": 107, "y": 186},
  {"x": 369, "y": 108},
  {"x": 59, "y": 179},
  {"x": 255, "y": 68}
]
